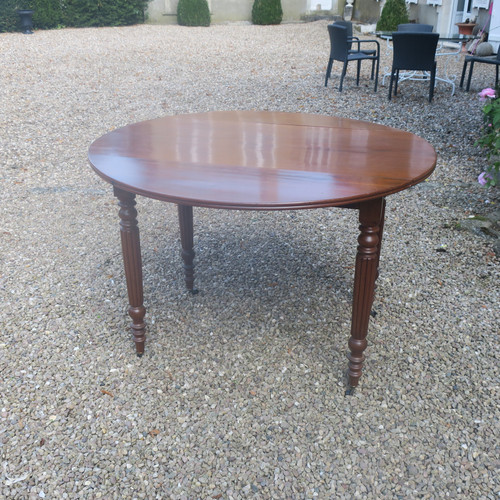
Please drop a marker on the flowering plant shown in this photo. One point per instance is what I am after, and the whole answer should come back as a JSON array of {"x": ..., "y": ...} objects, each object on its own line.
[{"x": 490, "y": 136}]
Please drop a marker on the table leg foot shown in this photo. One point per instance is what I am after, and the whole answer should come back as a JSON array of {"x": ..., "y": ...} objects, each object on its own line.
[
  {"x": 131, "y": 249},
  {"x": 138, "y": 327},
  {"x": 350, "y": 391},
  {"x": 367, "y": 259}
]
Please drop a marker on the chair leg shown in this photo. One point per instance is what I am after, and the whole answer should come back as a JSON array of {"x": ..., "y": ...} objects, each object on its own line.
[
  {"x": 496, "y": 76},
  {"x": 396, "y": 82},
  {"x": 344, "y": 71},
  {"x": 433, "y": 81},
  {"x": 358, "y": 70},
  {"x": 328, "y": 70},
  {"x": 376, "y": 74},
  {"x": 463, "y": 74},
  {"x": 390, "y": 84},
  {"x": 373, "y": 68},
  {"x": 471, "y": 67}
]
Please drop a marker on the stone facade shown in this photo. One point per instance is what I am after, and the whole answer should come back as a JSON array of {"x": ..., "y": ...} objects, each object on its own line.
[
  {"x": 164, "y": 11},
  {"x": 440, "y": 13}
]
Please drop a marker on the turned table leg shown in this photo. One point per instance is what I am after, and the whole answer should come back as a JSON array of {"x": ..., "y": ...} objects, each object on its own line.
[
  {"x": 187, "y": 252},
  {"x": 131, "y": 250},
  {"x": 380, "y": 236},
  {"x": 367, "y": 259}
]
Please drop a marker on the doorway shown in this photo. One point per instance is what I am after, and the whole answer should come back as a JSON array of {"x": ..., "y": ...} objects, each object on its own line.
[{"x": 463, "y": 11}]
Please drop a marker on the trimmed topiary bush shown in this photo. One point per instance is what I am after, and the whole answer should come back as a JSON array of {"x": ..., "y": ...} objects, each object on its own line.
[
  {"x": 394, "y": 12},
  {"x": 267, "y": 12},
  {"x": 193, "y": 13}
]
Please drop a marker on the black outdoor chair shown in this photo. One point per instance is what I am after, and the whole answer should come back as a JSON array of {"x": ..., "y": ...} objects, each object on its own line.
[
  {"x": 339, "y": 51},
  {"x": 416, "y": 28},
  {"x": 495, "y": 59},
  {"x": 413, "y": 52},
  {"x": 353, "y": 40}
]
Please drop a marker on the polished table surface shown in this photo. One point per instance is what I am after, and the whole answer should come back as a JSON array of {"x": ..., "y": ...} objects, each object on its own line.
[{"x": 254, "y": 160}]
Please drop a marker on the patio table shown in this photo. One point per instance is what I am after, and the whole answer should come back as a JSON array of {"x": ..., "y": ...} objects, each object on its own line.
[
  {"x": 448, "y": 47},
  {"x": 256, "y": 160}
]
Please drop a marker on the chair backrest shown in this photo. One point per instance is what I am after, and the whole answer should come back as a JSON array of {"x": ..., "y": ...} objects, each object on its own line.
[
  {"x": 348, "y": 26},
  {"x": 416, "y": 28},
  {"x": 414, "y": 51},
  {"x": 338, "y": 42}
]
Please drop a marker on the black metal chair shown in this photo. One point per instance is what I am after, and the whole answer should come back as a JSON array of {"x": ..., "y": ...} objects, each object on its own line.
[
  {"x": 495, "y": 59},
  {"x": 413, "y": 52},
  {"x": 339, "y": 51},
  {"x": 416, "y": 28}
]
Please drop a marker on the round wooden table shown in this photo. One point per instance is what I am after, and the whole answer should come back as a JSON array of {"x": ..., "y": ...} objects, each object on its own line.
[{"x": 251, "y": 160}]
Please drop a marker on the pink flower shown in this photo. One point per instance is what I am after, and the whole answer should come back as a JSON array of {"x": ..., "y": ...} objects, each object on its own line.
[
  {"x": 487, "y": 93},
  {"x": 483, "y": 178}
]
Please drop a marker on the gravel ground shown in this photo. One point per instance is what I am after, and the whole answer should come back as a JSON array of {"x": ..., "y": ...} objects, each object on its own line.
[{"x": 241, "y": 390}]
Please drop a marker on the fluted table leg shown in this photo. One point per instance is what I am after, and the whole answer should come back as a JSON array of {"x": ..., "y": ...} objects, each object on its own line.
[
  {"x": 131, "y": 250},
  {"x": 187, "y": 253},
  {"x": 371, "y": 220},
  {"x": 380, "y": 236}
]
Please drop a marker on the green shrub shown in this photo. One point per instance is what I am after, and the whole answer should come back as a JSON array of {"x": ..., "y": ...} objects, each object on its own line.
[
  {"x": 490, "y": 136},
  {"x": 193, "y": 13},
  {"x": 47, "y": 14},
  {"x": 9, "y": 18},
  {"x": 267, "y": 12},
  {"x": 393, "y": 13},
  {"x": 80, "y": 13}
]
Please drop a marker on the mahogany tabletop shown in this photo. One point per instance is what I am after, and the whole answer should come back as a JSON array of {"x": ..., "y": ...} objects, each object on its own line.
[{"x": 261, "y": 160}]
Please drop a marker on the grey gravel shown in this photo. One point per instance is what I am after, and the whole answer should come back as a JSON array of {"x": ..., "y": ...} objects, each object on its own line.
[{"x": 241, "y": 391}]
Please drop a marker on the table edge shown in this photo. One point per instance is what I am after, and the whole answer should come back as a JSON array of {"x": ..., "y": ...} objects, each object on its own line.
[{"x": 353, "y": 200}]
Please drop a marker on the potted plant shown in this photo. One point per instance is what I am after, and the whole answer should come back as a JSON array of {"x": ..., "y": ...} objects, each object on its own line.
[{"x": 465, "y": 28}]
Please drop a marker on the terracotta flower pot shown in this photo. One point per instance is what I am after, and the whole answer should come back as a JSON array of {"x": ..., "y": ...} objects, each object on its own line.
[{"x": 465, "y": 28}]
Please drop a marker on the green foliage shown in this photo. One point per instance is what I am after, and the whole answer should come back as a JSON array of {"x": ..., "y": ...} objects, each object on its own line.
[
  {"x": 193, "y": 13},
  {"x": 393, "y": 13},
  {"x": 81, "y": 13},
  {"x": 24, "y": 4},
  {"x": 490, "y": 137},
  {"x": 9, "y": 19},
  {"x": 78, "y": 13},
  {"x": 47, "y": 13},
  {"x": 267, "y": 12}
]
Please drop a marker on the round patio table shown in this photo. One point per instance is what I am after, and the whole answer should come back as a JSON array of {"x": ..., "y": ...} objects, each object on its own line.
[{"x": 257, "y": 160}]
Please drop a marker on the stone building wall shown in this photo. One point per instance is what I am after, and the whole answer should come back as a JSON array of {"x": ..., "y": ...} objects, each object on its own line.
[
  {"x": 164, "y": 11},
  {"x": 366, "y": 11}
]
